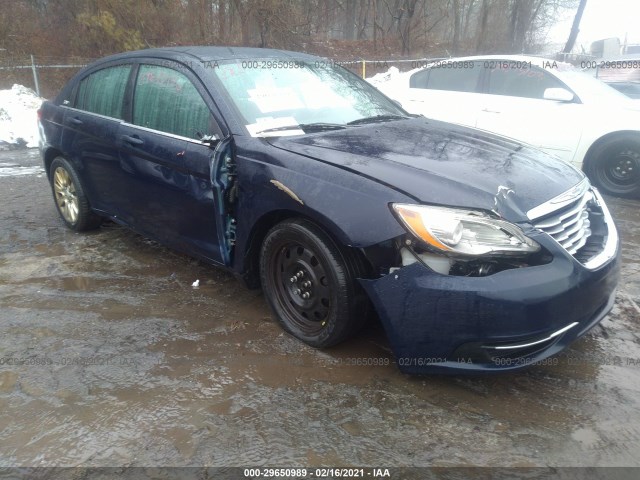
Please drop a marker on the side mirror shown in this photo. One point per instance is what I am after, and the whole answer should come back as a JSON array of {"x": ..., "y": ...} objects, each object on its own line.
[{"x": 558, "y": 95}]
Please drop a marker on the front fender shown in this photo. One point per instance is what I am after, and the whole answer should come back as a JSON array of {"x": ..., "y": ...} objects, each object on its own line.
[{"x": 352, "y": 208}]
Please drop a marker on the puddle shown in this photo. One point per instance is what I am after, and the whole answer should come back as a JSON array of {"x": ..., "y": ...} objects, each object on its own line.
[
  {"x": 12, "y": 170},
  {"x": 109, "y": 357}
]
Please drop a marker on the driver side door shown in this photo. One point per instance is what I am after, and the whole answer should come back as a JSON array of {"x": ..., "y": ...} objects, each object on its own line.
[{"x": 170, "y": 191}]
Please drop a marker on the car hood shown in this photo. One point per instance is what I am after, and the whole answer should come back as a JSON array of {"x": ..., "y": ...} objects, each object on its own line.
[{"x": 443, "y": 164}]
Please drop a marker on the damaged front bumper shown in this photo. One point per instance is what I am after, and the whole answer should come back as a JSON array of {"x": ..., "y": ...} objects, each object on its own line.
[{"x": 506, "y": 321}]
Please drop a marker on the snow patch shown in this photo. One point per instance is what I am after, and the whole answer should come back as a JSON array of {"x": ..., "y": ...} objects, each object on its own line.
[
  {"x": 18, "y": 118},
  {"x": 393, "y": 83},
  {"x": 383, "y": 77}
]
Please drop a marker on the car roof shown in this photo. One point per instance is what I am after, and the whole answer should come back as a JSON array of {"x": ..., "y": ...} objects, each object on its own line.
[
  {"x": 187, "y": 54},
  {"x": 210, "y": 53}
]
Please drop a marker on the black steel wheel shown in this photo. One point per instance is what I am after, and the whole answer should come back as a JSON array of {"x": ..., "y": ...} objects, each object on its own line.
[
  {"x": 71, "y": 201},
  {"x": 615, "y": 167},
  {"x": 310, "y": 283}
]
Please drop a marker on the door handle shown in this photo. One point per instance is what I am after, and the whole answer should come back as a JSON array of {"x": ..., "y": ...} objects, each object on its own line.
[
  {"x": 490, "y": 111},
  {"x": 76, "y": 121},
  {"x": 132, "y": 140}
]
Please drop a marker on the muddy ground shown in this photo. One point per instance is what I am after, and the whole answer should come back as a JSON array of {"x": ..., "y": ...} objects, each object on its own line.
[{"x": 109, "y": 357}]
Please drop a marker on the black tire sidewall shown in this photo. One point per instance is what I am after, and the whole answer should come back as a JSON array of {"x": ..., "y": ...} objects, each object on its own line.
[
  {"x": 339, "y": 322},
  {"x": 601, "y": 158}
]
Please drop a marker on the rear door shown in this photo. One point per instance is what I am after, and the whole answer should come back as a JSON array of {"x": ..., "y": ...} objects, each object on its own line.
[
  {"x": 447, "y": 91},
  {"x": 89, "y": 139},
  {"x": 166, "y": 165}
]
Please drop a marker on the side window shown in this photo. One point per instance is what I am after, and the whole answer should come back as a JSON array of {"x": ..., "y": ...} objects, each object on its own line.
[
  {"x": 454, "y": 79},
  {"x": 103, "y": 91},
  {"x": 166, "y": 100},
  {"x": 521, "y": 82},
  {"x": 419, "y": 79}
]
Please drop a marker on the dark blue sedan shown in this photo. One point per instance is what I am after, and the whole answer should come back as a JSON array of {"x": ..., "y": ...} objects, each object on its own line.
[{"x": 476, "y": 252}]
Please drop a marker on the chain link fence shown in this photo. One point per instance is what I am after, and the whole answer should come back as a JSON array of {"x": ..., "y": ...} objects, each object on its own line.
[
  {"x": 47, "y": 75},
  {"x": 369, "y": 68}
]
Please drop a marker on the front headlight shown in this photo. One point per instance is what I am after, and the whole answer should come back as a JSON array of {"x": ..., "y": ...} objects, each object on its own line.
[{"x": 466, "y": 232}]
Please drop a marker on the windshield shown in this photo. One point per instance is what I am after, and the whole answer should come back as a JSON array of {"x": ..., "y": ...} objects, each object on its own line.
[{"x": 292, "y": 97}]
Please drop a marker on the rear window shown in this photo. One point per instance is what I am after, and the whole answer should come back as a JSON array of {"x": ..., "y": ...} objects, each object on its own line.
[
  {"x": 102, "y": 92},
  {"x": 419, "y": 79},
  {"x": 463, "y": 78},
  {"x": 521, "y": 82}
]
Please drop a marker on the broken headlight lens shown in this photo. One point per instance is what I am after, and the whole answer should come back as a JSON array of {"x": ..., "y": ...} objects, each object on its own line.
[{"x": 466, "y": 232}]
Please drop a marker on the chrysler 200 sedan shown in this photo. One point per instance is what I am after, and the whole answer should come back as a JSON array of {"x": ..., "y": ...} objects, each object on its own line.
[{"x": 477, "y": 253}]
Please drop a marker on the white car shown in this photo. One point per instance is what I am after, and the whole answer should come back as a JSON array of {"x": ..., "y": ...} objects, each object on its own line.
[{"x": 548, "y": 104}]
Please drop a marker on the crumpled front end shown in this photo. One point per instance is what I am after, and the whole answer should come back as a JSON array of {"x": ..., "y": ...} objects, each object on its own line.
[{"x": 452, "y": 323}]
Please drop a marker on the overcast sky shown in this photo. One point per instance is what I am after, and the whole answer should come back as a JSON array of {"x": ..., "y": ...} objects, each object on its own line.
[{"x": 602, "y": 19}]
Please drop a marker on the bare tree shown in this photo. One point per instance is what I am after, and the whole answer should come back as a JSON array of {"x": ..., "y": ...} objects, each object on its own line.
[
  {"x": 339, "y": 28},
  {"x": 575, "y": 27},
  {"x": 457, "y": 21},
  {"x": 482, "y": 26}
]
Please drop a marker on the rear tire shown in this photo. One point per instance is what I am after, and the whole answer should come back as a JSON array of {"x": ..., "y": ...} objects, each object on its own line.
[
  {"x": 70, "y": 199},
  {"x": 310, "y": 283},
  {"x": 615, "y": 167}
]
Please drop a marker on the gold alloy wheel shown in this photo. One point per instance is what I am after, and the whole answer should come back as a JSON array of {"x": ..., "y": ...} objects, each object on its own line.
[{"x": 65, "y": 193}]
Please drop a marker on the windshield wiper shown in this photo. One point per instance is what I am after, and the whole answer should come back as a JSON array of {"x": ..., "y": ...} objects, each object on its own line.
[
  {"x": 376, "y": 119},
  {"x": 305, "y": 127}
]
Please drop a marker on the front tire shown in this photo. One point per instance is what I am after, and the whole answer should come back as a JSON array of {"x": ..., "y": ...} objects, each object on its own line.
[
  {"x": 70, "y": 199},
  {"x": 310, "y": 284},
  {"x": 615, "y": 167}
]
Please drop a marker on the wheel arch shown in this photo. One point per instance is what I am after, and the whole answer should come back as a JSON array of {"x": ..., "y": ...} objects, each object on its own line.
[
  {"x": 48, "y": 156},
  {"x": 249, "y": 262}
]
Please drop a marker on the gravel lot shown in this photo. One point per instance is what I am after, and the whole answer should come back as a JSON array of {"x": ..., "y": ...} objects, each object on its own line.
[{"x": 109, "y": 357}]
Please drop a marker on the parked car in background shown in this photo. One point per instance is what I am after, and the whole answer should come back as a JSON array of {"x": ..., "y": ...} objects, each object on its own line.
[
  {"x": 621, "y": 73},
  {"x": 548, "y": 104},
  {"x": 478, "y": 253},
  {"x": 630, "y": 89}
]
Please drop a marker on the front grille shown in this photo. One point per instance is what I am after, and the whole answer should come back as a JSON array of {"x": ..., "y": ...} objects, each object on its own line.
[
  {"x": 578, "y": 227},
  {"x": 569, "y": 226}
]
